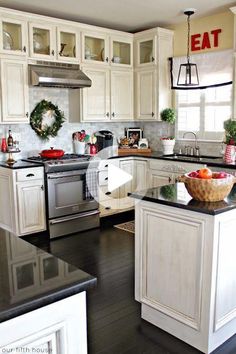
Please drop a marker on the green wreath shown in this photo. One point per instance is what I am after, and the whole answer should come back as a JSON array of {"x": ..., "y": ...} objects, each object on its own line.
[{"x": 36, "y": 119}]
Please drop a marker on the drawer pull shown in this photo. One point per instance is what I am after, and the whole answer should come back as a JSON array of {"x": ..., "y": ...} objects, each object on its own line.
[
  {"x": 30, "y": 175},
  {"x": 108, "y": 208},
  {"x": 108, "y": 193}
]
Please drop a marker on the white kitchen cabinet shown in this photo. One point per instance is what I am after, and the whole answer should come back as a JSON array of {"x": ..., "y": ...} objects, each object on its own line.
[
  {"x": 138, "y": 169},
  {"x": 110, "y": 97},
  {"x": 24, "y": 200},
  {"x": 56, "y": 328},
  {"x": 42, "y": 39},
  {"x": 145, "y": 94},
  {"x": 121, "y": 95},
  {"x": 108, "y": 201},
  {"x": 31, "y": 202},
  {"x": 105, "y": 48},
  {"x": 13, "y": 36},
  {"x": 145, "y": 50},
  {"x": 193, "y": 254},
  {"x": 96, "y": 99},
  {"x": 159, "y": 178},
  {"x": 153, "y": 48},
  {"x": 54, "y": 43},
  {"x": 68, "y": 44},
  {"x": 14, "y": 79}
]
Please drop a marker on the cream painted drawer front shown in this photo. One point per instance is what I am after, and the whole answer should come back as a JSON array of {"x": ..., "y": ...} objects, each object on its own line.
[
  {"x": 29, "y": 174},
  {"x": 103, "y": 178}
]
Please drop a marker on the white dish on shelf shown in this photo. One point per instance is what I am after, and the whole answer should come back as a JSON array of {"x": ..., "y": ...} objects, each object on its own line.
[
  {"x": 7, "y": 41},
  {"x": 38, "y": 43}
]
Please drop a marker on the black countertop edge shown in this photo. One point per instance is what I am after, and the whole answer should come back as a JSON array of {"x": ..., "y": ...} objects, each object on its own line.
[
  {"x": 156, "y": 155},
  {"x": 20, "y": 164},
  {"x": 47, "y": 299},
  {"x": 183, "y": 206}
]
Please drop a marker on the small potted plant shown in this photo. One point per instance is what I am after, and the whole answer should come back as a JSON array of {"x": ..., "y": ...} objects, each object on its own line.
[
  {"x": 168, "y": 142},
  {"x": 230, "y": 140}
]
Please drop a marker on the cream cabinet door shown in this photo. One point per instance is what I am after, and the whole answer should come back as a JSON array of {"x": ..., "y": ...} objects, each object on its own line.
[
  {"x": 96, "y": 99},
  {"x": 140, "y": 175},
  {"x": 42, "y": 39},
  {"x": 145, "y": 94},
  {"x": 121, "y": 51},
  {"x": 13, "y": 36},
  {"x": 145, "y": 51},
  {"x": 14, "y": 80},
  {"x": 31, "y": 206},
  {"x": 159, "y": 178},
  {"x": 125, "y": 201},
  {"x": 121, "y": 95}
]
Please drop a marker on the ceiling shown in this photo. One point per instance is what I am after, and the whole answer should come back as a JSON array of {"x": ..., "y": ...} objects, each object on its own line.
[{"x": 125, "y": 15}]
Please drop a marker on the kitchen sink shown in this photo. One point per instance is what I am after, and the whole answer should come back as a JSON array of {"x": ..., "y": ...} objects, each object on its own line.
[{"x": 191, "y": 157}]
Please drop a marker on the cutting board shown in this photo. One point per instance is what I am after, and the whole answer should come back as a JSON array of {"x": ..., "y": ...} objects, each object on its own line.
[{"x": 133, "y": 151}]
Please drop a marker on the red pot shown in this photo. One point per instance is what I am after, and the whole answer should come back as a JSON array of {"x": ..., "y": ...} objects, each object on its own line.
[{"x": 52, "y": 153}]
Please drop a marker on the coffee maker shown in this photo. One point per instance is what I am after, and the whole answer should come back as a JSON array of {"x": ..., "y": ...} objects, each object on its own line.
[{"x": 104, "y": 139}]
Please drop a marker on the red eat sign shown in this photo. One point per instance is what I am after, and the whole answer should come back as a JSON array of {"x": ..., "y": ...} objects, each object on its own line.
[{"x": 206, "y": 40}]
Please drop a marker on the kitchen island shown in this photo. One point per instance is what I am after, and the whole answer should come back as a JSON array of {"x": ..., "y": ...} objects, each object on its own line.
[
  {"x": 185, "y": 264},
  {"x": 42, "y": 300}
]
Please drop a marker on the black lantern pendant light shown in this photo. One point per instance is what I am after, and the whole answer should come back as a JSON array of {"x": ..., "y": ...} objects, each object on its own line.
[{"x": 188, "y": 73}]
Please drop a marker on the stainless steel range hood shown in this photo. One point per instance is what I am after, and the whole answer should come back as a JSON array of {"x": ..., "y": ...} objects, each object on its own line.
[{"x": 48, "y": 74}]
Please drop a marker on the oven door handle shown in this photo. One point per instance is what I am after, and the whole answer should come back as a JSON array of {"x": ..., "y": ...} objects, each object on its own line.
[
  {"x": 67, "y": 174},
  {"x": 82, "y": 215}
]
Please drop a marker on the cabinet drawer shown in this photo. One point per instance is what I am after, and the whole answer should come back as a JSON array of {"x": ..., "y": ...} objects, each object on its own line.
[
  {"x": 104, "y": 194},
  {"x": 103, "y": 178},
  {"x": 28, "y": 174}
]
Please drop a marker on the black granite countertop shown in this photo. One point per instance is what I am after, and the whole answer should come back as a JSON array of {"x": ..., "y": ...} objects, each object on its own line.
[
  {"x": 216, "y": 161},
  {"x": 176, "y": 195},
  {"x": 20, "y": 164},
  {"x": 31, "y": 278}
]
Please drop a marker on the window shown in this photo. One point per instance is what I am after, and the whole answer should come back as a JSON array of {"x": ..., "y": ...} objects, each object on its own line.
[{"x": 203, "y": 112}]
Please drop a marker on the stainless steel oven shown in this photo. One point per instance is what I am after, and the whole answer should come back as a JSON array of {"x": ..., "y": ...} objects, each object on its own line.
[{"x": 71, "y": 206}]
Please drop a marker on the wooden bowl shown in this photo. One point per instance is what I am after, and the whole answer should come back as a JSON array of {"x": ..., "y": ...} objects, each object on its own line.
[{"x": 208, "y": 190}]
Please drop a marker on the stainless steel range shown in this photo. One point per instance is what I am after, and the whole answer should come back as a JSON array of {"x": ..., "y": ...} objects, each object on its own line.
[{"x": 71, "y": 206}]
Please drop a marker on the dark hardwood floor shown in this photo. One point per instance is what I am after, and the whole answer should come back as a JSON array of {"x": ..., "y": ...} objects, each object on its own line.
[{"x": 114, "y": 322}]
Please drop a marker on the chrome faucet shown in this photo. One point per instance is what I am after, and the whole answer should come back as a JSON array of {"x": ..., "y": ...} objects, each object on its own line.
[{"x": 196, "y": 150}]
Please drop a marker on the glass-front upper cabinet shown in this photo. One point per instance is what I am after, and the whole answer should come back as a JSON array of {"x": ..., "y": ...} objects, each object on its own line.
[
  {"x": 146, "y": 50},
  {"x": 42, "y": 41},
  {"x": 67, "y": 45},
  {"x": 95, "y": 48},
  {"x": 13, "y": 37},
  {"x": 121, "y": 51}
]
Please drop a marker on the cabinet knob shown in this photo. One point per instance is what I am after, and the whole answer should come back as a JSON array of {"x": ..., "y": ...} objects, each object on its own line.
[
  {"x": 108, "y": 193},
  {"x": 27, "y": 114},
  {"x": 53, "y": 52},
  {"x": 107, "y": 59},
  {"x": 113, "y": 114},
  {"x": 24, "y": 49},
  {"x": 106, "y": 166},
  {"x": 108, "y": 208},
  {"x": 108, "y": 114},
  {"x": 153, "y": 59},
  {"x": 153, "y": 114},
  {"x": 169, "y": 179},
  {"x": 42, "y": 187},
  {"x": 112, "y": 60},
  {"x": 106, "y": 179}
]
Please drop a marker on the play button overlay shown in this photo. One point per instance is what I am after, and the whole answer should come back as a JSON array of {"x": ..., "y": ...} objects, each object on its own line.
[
  {"x": 108, "y": 184},
  {"x": 117, "y": 177}
]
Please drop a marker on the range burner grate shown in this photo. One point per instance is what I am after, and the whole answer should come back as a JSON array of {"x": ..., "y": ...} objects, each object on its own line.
[{"x": 64, "y": 157}]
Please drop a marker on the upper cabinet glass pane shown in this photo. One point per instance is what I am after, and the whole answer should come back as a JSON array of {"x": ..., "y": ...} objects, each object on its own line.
[
  {"x": 68, "y": 45},
  {"x": 94, "y": 48},
  {"x": 12, "y": 36},
  {"x": 121, "y": 53},
  {"x": 146, "y": 52},
  {"x": 41, "y": 41}
]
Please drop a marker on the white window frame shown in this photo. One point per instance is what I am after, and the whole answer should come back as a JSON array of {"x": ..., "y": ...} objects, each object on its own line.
[{"x": 202, "y": 135}]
